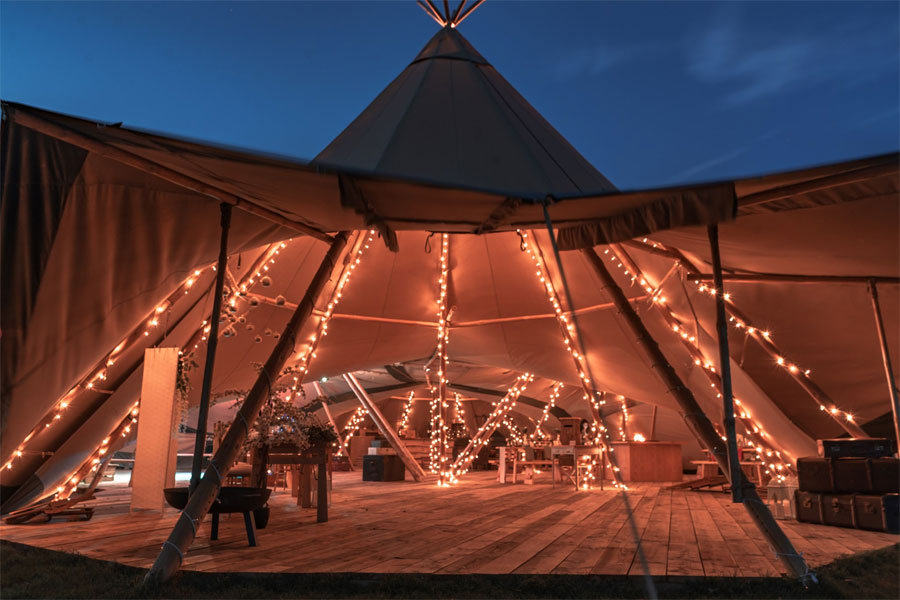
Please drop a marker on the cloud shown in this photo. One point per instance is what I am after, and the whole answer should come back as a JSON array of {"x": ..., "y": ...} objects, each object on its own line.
[
  {"x": 753, "y": 63},
  {"x": 598, "y": 59},
  {"x": 707, "y": 165},
  {"x": 890, "y": 113}
]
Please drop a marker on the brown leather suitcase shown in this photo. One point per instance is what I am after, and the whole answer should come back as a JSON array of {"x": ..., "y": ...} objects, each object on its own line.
[
  {"x": 855, "y": 448},
  {"x": 837, "y": 509},
  {"x": 809, "y": 506},
  {"x": 815, "y": 474},
  {"x": 851, "y": 475},
  {"x": 878, "y": 513},
  {"x": 885, "y": 475}
]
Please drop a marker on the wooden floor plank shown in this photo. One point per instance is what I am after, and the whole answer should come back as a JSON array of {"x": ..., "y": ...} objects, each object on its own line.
[{"x": 479, "y": 526}]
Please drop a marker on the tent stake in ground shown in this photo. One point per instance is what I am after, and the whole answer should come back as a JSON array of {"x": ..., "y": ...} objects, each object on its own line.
[
  {"x": 698, "y": 422},
  {"x": 734, "y": 464},
  {"x": 185, "y": 530},
  {"x": 886, "y": 358},
  {"x": 211, "y": 344}
]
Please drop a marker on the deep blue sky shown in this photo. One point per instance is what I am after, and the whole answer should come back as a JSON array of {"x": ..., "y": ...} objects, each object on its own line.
[{"x": 651, "y": 93}]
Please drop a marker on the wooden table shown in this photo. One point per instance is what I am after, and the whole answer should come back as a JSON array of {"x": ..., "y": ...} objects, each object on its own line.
[
  {"x": 323, "y": 461},
  {"x": 511, "y": 454}
]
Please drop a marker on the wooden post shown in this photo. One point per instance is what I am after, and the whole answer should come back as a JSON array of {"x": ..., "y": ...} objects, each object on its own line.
[
  {"x": 341, "y": 443},
  {"x": 185, "y": 530},
  {"x": 652, "y": 437},
  {"x": 886, "y": 359},
  {"x": 212, "y": 341},
  {"x": 734, "y": 461},
  {"x": 402, "y": 451},
  {"x": 697, "y": 421}
]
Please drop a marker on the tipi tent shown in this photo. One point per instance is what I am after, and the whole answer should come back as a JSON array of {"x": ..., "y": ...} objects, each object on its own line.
[{"x": 110, "y": 234}]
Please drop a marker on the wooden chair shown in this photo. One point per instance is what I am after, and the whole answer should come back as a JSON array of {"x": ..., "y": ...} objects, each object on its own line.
[{"x": 565, "y": 467}]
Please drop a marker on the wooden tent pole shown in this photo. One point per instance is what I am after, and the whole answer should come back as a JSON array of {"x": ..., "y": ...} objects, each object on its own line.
[
  {"x": 652, "y": 437},
  {"x": 402, "y": 451},
  {"x": 697, "y": 421},
  {"x": 334, "y": 424},
  {"x": 211, "y": 345},
  {"x": 185, "y": 529},
  {"x": 809, "y": 386},
  {"x": 801, "y": 279},
  {"x": 487, "y": 429},
  {"x": 886, "y": 359},
  {"x": 734, "y": 461}
]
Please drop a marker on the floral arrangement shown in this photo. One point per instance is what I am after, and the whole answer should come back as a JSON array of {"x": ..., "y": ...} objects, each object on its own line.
[{"x": 281, "y": 423}]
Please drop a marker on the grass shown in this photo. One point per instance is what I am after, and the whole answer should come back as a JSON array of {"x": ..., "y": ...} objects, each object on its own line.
[{"x": 29, "y": 572}]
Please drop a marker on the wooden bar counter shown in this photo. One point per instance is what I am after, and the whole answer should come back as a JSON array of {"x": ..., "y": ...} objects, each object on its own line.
[{"x": 648, "y": 461}]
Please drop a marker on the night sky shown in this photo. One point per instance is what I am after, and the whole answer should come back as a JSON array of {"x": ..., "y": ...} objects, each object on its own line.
[{"x": 651, "y": 93}]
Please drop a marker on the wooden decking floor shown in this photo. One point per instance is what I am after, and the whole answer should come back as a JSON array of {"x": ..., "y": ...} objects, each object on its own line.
[{"x": 479, "y": 526}]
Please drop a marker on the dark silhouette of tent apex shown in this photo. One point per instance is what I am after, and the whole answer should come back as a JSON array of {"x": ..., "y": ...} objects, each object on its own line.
[{"x": 449, "y": 43}]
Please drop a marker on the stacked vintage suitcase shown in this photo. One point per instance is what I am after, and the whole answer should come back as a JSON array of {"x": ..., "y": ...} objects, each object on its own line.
[{"x": 852, "y": 483}]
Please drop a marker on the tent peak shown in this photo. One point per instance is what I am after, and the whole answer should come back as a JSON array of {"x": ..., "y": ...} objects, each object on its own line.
[{"x": 448, "y": 43}]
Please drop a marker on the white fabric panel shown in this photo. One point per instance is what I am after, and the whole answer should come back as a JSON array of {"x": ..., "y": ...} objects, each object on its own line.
[{"x": 154, "y": 458}]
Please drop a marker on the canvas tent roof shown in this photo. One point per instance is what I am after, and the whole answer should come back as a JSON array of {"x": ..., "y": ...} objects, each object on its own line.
[
  {"x": 450, "y": 116},
  {"x": 113, "y": 220}
]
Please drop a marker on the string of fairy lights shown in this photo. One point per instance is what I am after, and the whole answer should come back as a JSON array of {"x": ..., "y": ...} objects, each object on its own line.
[
  {"x": 238, "y": 290},
  {"x": 407, "y": 411},
  {"x": 757, "y": 438},
  {"x": 99, "y": 372},
  {"x": 567, "y": 329},
  {"x": 500, "y": 410},
  {"x": 762, "y": 335},
  {"x": 623, "y": 427},
  {"x": 97, "y": 458},
  {"x": 438, "y": 461},
  {"x": 352, "y": 428},
  {"x": 308, "y": 353},
  {"x": 539, "y": 434},
  {"x": 459, "y": 412},
  {"x": 516, "y": 437}
]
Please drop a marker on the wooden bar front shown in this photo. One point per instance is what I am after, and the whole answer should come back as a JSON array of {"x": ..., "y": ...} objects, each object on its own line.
[{"x": 648, "y": 461}]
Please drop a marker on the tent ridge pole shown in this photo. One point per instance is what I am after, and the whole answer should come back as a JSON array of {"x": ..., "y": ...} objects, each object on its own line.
[
  {"x": 698, "y": 422},
  {"x": 199, "y": 502},
  {"x": 886, "y": 359}
]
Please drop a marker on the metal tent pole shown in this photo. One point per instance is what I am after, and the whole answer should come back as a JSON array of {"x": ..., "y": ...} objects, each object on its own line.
[
  {"x": 734, "y": 462},
  {"x": 697, "y": 421},
  {"x": 886, "y": 358},
  {"x": 212, "y": 341},
  {"x": 185, "y": 530}
]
